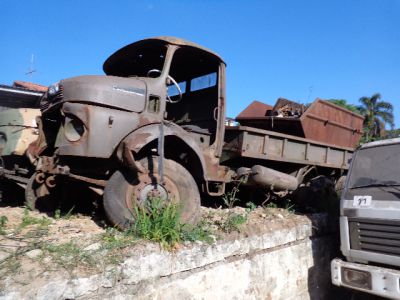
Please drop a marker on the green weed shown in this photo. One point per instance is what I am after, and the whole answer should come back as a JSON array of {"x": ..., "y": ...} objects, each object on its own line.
[
  {"x": 157, "y": 222},
  {"x": 250, "y": 206},
  {"x": 230, "y": 197},
  {"x": 28, "y": 220},
  {"x": 271, "y": 205},
  {"x": 197, "y": 232},
  {"x": 113, "y": 239},
  {"x": 3, "y": 223},
  {"x": 234, "y": 222},
  {"x": 59, "y": 215},
  {"x": 69, "y": 255},
  {"x": 160, "y": 222},
  {"x": 289, "y": 207}
]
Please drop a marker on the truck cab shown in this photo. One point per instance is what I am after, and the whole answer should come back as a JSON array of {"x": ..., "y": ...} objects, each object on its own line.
[{"x": 370, "y": 222}]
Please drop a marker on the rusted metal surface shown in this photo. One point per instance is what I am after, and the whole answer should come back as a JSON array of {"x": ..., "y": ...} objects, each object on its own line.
[
  {"x": 272, "y": 146},
  {"x": 322, "y": 122},
  {"x": 111, "y": 65},
  {"x": 268, "y": 178},
  {"x": 30, "y": 86},
  {"x": 326, "y": 122},
  {"x": 256, "y": 109}
]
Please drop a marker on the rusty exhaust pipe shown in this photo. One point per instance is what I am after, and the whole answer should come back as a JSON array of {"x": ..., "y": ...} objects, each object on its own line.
[{"x": 269, "y": 178}]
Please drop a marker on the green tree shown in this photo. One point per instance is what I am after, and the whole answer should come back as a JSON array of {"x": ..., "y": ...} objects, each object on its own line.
[
  {"x": 343, "y": 103},
  {"x": 377, "y": 115},
  {"x": 393, "y": 133}
]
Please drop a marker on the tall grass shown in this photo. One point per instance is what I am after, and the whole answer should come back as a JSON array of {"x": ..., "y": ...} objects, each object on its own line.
[{"x": 159, "y": 221}]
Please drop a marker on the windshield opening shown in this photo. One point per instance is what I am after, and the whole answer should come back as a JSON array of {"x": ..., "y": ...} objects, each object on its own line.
[
  {"x": 377, "y": 166},
  {"x": 144, "y": 59}
]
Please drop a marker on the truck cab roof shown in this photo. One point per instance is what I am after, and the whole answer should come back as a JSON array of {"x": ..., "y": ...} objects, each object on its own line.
[{"x": 119, "y": 61}]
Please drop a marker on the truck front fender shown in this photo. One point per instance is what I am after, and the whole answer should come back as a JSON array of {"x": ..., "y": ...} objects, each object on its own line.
[{"x": 138, "y": 139}]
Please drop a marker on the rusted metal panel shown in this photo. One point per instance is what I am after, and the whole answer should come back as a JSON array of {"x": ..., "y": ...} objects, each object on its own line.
[
  {"x": 329, "y": 123},
  {"x": 104, "y": 129},
  {"x": 30, "y": 86},
  {"x": 256, "y": 109},
  {"x": 322, "y": 122},
  {"x": 122, "y": 57},
  {"x": 287, "y": 149},
  {"x": 120, "y": 93}
]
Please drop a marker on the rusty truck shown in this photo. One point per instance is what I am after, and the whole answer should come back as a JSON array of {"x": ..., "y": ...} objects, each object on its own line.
[{"x": 154, "y": 125}]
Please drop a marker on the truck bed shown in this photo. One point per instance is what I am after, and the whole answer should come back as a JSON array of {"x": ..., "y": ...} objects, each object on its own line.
[{"x": 249, "y": 142}]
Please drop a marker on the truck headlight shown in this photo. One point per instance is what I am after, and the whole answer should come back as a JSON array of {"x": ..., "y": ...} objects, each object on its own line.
[
  {"x": 356, "y": 278},
  {"x": 74, "y": 129},
  {"x": 53, "y": 89}
]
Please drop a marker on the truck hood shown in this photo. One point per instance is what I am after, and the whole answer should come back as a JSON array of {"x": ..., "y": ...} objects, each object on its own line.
[{"x": 111, "y": 91}]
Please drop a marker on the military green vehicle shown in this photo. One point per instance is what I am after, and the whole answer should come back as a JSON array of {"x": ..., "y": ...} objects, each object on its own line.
[{"x": 18, "y": 129}]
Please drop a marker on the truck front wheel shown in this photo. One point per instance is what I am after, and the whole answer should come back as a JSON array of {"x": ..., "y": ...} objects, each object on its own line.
[{"x": 126, "y": 190}]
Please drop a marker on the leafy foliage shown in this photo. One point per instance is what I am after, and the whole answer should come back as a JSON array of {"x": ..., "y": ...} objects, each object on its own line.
[
  {"x": 393, "y": 133},
  {"x": 377, "y": 115},
  {"x": 343, "y": 103}
]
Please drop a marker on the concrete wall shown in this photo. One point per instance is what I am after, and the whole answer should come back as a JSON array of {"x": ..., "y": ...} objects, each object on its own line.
[{"x": 287, "y": 263}]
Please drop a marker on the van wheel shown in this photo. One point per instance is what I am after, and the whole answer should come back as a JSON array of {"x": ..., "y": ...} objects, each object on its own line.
[{"x": 126, "y": 190}]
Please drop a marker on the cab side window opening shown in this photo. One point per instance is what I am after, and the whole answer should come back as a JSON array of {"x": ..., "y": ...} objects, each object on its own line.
[
  {"x": 197, "y": 74},
  {"x": 203, "y": 82}
]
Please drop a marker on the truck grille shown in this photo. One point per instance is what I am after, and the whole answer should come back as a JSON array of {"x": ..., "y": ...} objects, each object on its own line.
[{"x": 374, "y": 235}]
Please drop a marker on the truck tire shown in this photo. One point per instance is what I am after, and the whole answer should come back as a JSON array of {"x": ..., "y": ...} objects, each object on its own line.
[{"x": 127, "y": 189}]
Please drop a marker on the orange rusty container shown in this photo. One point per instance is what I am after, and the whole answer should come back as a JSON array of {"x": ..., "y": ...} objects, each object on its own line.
[{"x": 322, "y": 121}]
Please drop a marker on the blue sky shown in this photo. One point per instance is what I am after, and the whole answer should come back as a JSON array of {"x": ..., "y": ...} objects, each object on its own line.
[{"x": 299, "y": 50}]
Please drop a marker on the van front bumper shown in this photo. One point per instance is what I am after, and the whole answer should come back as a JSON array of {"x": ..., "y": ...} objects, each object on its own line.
[{"x": 370, "y": 279}]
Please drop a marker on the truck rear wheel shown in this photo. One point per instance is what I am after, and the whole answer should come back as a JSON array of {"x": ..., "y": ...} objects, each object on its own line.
[{"x": 127, "y": 189}]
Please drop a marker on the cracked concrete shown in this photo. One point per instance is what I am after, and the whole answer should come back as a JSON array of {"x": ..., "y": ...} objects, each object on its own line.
[{"x": 287, "y": 263}]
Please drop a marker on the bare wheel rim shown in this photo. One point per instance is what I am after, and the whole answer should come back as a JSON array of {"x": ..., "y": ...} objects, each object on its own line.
[{"x": 150, "y": 186}]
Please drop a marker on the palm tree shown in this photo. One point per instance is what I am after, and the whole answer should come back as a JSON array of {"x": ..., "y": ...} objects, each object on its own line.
[{"x": 377, "y": 114}]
